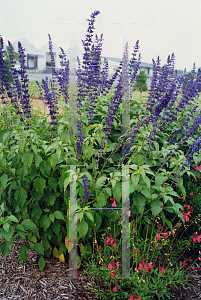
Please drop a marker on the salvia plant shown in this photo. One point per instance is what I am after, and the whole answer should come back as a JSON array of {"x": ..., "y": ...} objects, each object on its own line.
[{"x": 161, "y": 148}]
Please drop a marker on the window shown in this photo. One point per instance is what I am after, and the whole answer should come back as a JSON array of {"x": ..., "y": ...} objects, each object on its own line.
[
  {"x": 32, "y": 61},
  {"x": 48, "y": 60}
]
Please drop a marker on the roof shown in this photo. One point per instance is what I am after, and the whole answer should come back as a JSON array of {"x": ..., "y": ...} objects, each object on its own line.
[{"x": 142, "y": 64}]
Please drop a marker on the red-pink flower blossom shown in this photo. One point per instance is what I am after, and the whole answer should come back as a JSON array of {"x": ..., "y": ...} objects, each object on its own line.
[
  {"x": 114, "y": 204},
  {"x": 115, "y": 289},
  {"x": 163, "y": 270},
  {"x": 158, "y": 237},
  {"x": 140, "y": 268}
]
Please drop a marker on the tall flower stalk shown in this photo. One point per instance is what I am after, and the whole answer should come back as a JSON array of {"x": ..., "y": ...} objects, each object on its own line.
[{"x": 24, "y": 100}]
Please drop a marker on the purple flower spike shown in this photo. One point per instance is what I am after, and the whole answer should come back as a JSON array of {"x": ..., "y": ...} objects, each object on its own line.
[{"x": 86, "y": 188}]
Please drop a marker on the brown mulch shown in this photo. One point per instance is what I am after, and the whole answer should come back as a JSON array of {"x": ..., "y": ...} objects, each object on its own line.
[{"x": 28, "y": 282}]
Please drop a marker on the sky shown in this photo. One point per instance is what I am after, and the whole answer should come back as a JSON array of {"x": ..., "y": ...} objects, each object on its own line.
[{"x": 161, "y": 26}]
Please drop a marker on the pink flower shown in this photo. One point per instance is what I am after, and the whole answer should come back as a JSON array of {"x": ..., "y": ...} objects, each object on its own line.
[
  {"x": 114, "y": 204},
  {"x": 158, "y": 237},
  {"x": 163, "y": 270},
  {"x": 138, "y": 298},
  {"x": 191, "y": 195},
  {"x": 117, "y": 264},
  {"x": 108, "y": 240},
  {"x": 115, "y": 289},
  {"x": 150, "y": 265},
  {"x": 196, "y": 168},
  {"x": 115, "y": 245},
  {"x": 166, "y": 233},
  {"x": 111, "y": 241},
  {"x": 110, "y": 266},
  {"x": 185, "y": 216},
  {"x": 140, "y": 268},
  {"x": 112, "y": 275},
  {"x": 131, "y": 298}
]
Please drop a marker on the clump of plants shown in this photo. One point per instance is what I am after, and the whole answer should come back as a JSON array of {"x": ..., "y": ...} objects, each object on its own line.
[{"x": 41, "y": 163}]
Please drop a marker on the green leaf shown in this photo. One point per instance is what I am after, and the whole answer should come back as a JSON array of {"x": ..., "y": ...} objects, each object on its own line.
[
  {"x": 113, "y": 181},
  {"x": 139, "y": 200},
  {"x": 97, "y": 220},
  {"x": 66, "y": 183},
  {"x": 4, "y": 249},
  {"x": 154, "y": 196},
  {"x": 176, "y": 207},
  {"x": 38, "y": 160},
  {"x": 21, "y": 144},
  {"x": 59, "y": 215},
  {"x": 6, "y": 227},
  {"x": 163, "y": 217},
  {"x": 22, "y": 234},
  {"x": 34, "y": 148},
  {"x": 82, "y": 228},
  {"x": 166, "y": 198},
  {"x": 58, "y": 153},
  {"x": 89, "y": 216},
  {"x": 45, "y": 168},
  {"x": 155, "y": 207},
  {"x": 36, "y": 213},
  {"x": 45, "y": 222},
  {"x": 39, "y": 184},
  {"x": 135, "y": 179},
  {"x": 138, "y": 159},
  {"x": 89, "y": 151},
  {"x": 100, "y": 181},
  {"x": 28, "y": 225},
  {"x": 51, "y": 199},
  {"x": 53, "y": 160},
  {"x": 20, "y": 227},
  {"x": 56, "y": 228},
  {"x": 146, "y": 193},
  {"x": 12, "y": 218},
  {"x": 4, "y": 180},
  {"x": 23, "y": 253},
  {"x": 80, "y": 215},
  {"x": 156, "y": 146},
  {"x": 147, "y": 181},
  {"x": 51, "y": 217},
  {"x": 27, "y": 159},
  {"x": 5, "y": 136},
  {"x": 91, "y": 127},
  {"x": 39, "y": 248},
  {"x": 117, "y": 192},
  {"x": 52, "y": 183},
  {"x": 20, "y": 196},
  {"x": 41, "y": 263},
  {"x": 101, "y": 200},
  {"x": 159, "y": 179},
  {"x": 179, "y": 182},
  {"x": 169, "y": 224}
]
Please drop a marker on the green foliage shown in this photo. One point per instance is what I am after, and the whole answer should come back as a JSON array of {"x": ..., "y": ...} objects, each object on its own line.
[
  {"x": 35, "y": 178},
  {"x": 141, "y": 82}
]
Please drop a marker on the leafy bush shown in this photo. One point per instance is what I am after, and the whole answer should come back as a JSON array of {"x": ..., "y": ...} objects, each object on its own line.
[
  {"x": 40, "y": 162},
  {"x": 141, "y": 82}
]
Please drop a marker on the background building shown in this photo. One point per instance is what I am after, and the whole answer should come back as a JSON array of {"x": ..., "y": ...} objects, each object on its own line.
[{"x": 38, "y": 61}]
